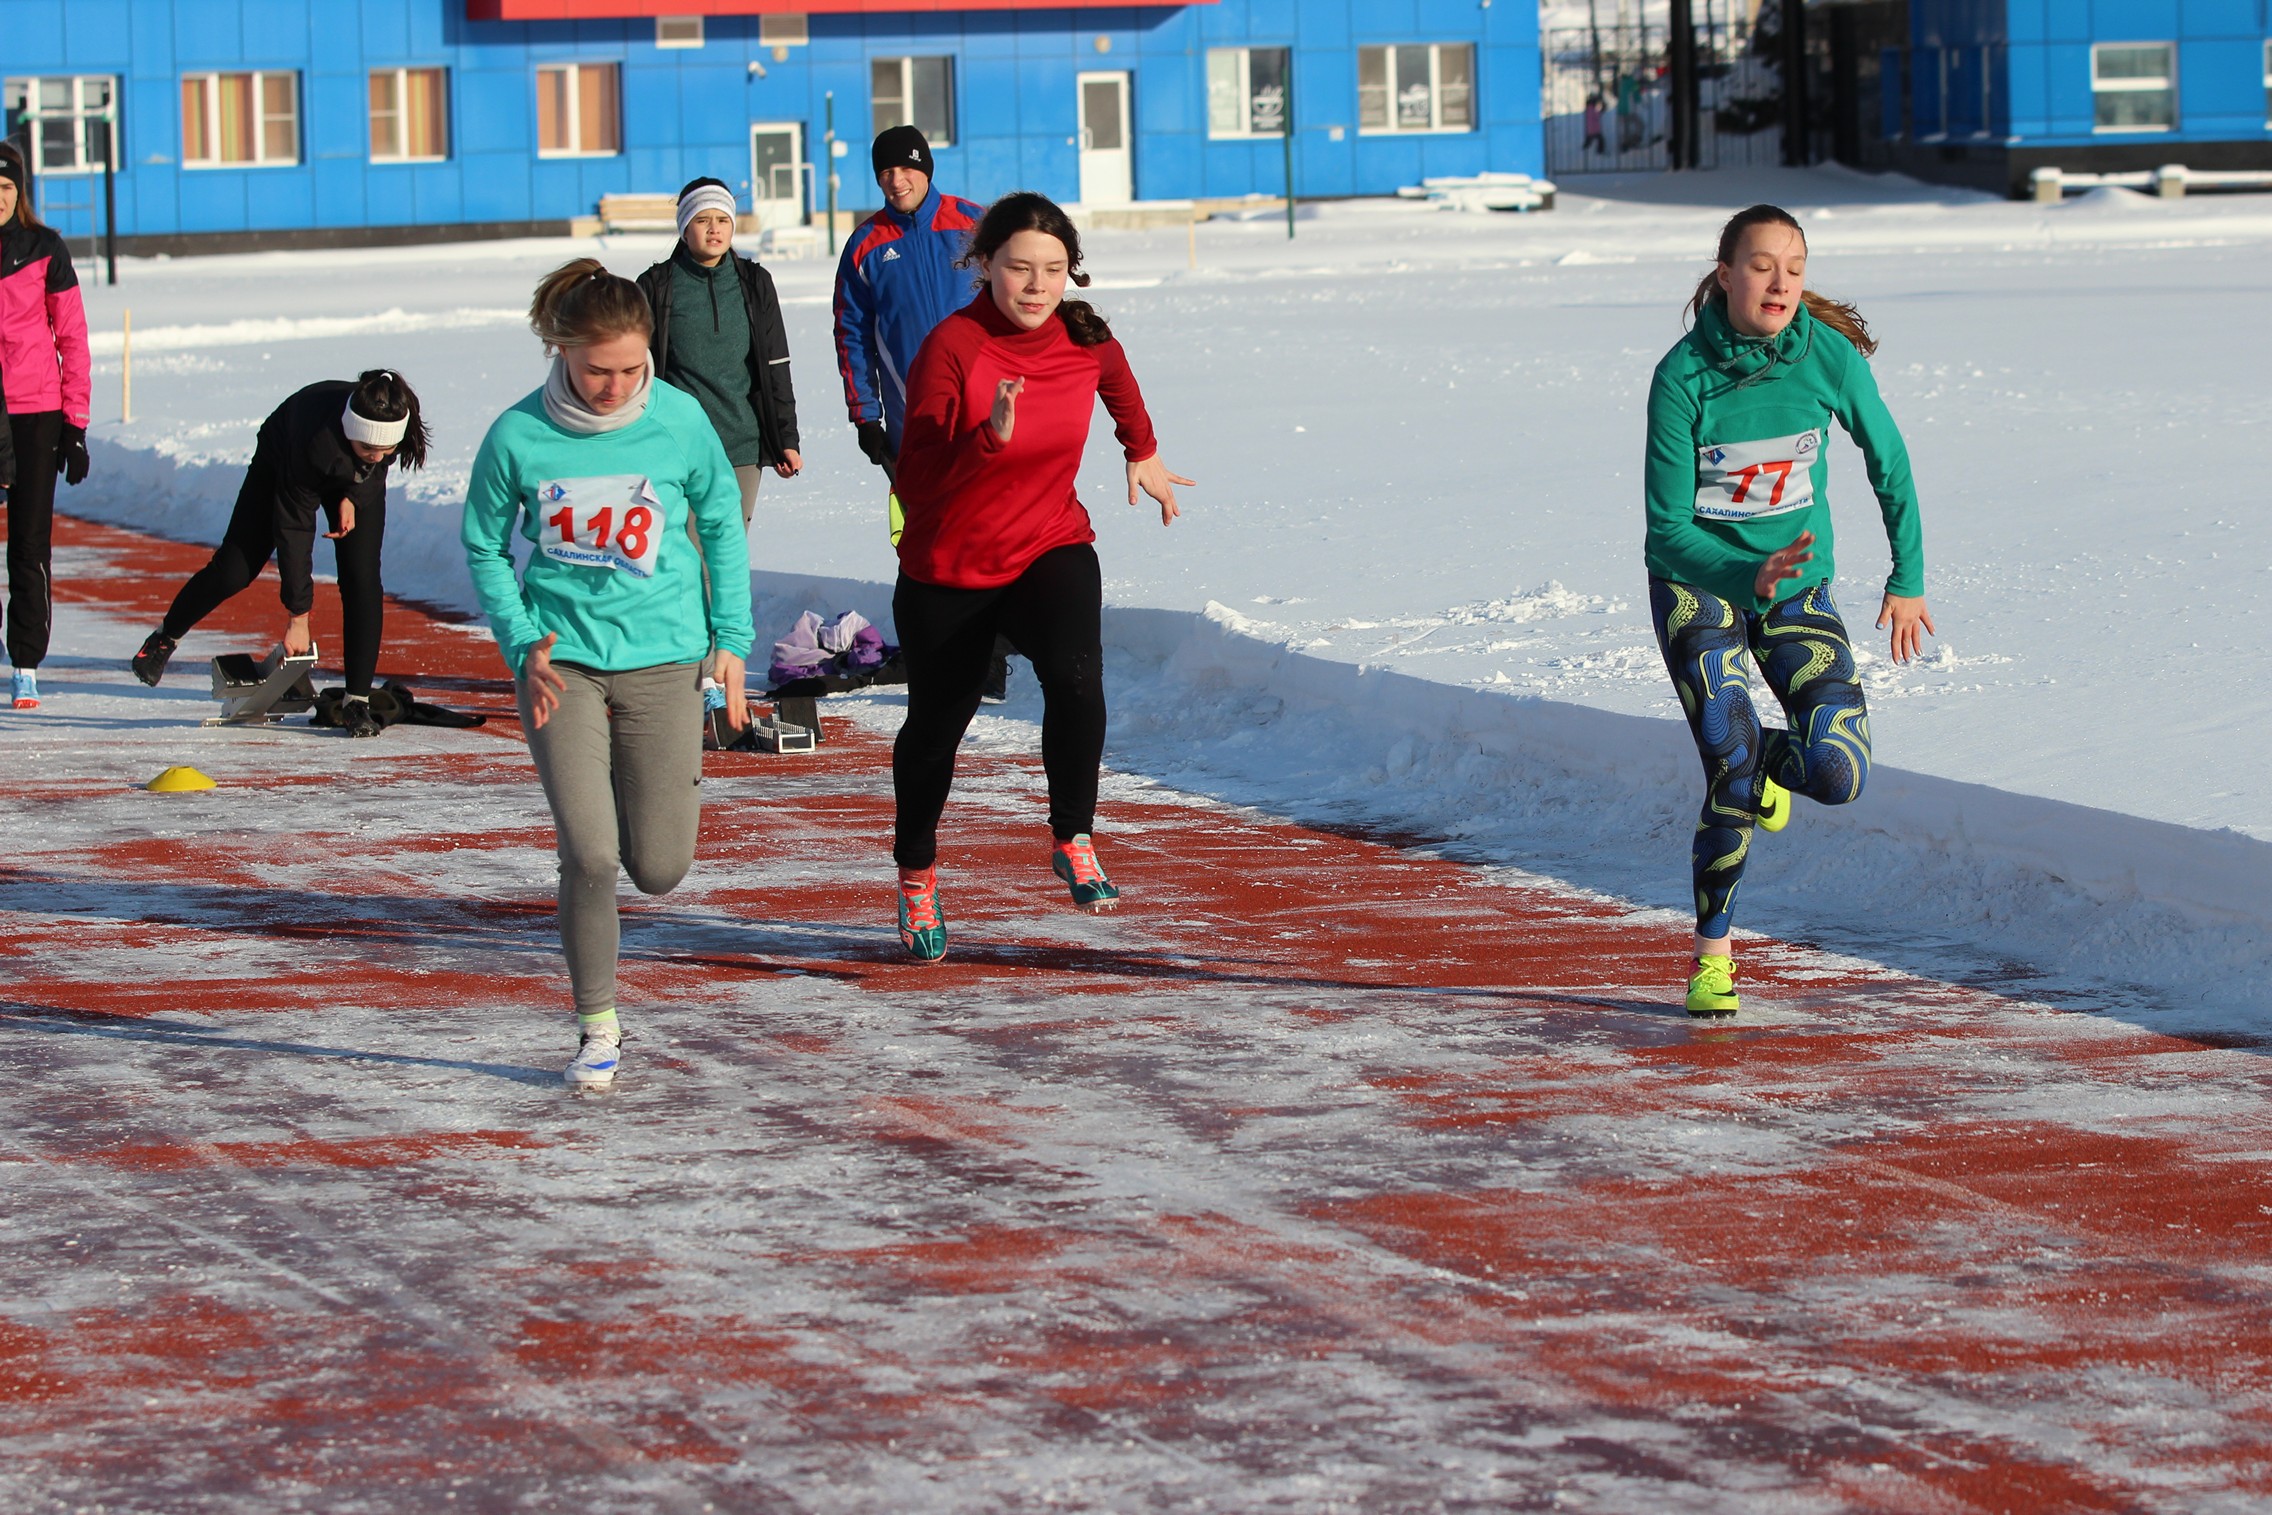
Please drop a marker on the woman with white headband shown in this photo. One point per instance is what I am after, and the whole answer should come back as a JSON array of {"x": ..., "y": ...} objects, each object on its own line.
[{"x": 325, "y": 449}]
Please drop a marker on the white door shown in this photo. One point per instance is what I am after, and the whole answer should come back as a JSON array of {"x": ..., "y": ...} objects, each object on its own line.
[
  {"x": 1108, "y": 175},
  {"x": 778, "y": 173}
]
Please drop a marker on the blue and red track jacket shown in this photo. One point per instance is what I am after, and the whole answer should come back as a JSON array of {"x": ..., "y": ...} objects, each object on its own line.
[{"x": 896, "y": 281}]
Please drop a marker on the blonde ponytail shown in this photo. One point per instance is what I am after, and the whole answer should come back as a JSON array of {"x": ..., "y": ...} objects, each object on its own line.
[{"x": 580, "y": 303}]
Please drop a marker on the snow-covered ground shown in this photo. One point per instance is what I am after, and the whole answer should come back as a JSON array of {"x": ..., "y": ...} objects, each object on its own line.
[{"x": 1418, "y": 437}]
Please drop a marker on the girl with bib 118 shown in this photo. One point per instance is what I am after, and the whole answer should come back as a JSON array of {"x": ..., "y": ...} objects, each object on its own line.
[
  {"x": 607, "y": 624},
  {"x": 1739, "y": 553},
  {"x": 997, "y": 542}
]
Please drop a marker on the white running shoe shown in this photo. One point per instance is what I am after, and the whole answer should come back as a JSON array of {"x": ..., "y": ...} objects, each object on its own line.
[{"x": 594, "y": 1067}]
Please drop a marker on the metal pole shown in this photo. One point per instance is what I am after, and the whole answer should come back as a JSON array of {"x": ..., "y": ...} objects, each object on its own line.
[
  {"x": 1681, "y": 47},
  {"x": 1289, "y": 144},
  {"x": 110, "y": 210},
  {"x": 830, "y": 140}
]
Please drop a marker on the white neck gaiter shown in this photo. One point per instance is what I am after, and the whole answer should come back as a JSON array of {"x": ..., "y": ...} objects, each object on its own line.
[{"x": 569, "y": 412}]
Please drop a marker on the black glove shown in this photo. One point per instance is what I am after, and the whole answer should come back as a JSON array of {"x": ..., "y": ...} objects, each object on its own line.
[
  {"x": 876, "y": 443},
  {"x": 71, "y": 454}
]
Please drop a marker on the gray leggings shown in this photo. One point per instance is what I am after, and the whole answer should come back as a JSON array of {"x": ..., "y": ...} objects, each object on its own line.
[{"x": 621, "y": 764}]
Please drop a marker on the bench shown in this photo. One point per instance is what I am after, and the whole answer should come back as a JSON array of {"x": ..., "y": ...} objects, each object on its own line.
[
  {"x": 652, "y": 213},
  {"x": 2048, "y": 186}
]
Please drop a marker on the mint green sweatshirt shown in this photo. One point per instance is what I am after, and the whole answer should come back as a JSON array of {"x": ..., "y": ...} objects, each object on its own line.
[
  {"x": 612, "y": 571},
  {"x": 1738, "y": 463}
]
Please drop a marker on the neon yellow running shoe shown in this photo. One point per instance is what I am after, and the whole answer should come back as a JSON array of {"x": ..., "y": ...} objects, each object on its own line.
[
  {"x": 1712, "y": 991},
  {"x": 1774, "y": 805}
]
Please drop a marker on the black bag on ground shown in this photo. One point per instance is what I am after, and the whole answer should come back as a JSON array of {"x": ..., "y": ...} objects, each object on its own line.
[{"x": 393, "y": 704}]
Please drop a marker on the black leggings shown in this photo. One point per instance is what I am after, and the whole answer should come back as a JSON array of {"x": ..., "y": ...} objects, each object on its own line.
[
  {"x": 251, "y": 541},
  {"x": 1050, "y": 614},
  {"x": 31, "y": 531}
]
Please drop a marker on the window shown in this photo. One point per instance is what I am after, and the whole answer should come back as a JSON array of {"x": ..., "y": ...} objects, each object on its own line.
[
  {"x": 72, "y": 119},
  {"x": 1429, "y": 87},
  {"x": 2134, "y": 86},
  {"x": 410, "y": 115},
  {"x": 578, "y": 111},
  {"x": 232, "y": 119},
  {"x": 1246, "y": 91},
  {"x": 782, "y": 29},
  {"x": 678, "y": 31},
  {"x": 914, "y": 90}
]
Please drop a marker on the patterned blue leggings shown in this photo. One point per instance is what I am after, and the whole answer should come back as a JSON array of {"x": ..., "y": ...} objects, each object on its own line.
[{"x": 1801, "y": 646}]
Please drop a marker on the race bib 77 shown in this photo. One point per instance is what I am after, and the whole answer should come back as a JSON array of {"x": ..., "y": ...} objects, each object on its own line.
[
  {"x": 613, "y": 521},
  {"x": 1742, "y": 481}
]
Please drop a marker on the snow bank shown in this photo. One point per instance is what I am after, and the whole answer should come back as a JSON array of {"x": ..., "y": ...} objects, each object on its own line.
[{"x": 1924, "y": 872}]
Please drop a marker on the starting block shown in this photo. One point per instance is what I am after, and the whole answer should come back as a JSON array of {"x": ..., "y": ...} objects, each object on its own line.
[
  {"x": 771, "y": 734},
  {"x": 255, "y": 692}
]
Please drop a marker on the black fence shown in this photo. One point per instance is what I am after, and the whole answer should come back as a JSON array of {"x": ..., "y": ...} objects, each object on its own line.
[{"x": 1615, "y": 96}]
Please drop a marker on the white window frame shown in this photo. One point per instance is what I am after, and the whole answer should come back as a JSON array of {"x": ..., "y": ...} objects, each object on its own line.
[
  {"x": 2155, "y": 85},
  {"x": 784, "y": 29},
  {"x": 663, "y": 38},
  {"x": 907, "y": 64},
  {"x": 35, "y": 114},
  {"x": 401, "y": 77},
  {"x": 1435, "y": 126},
  {"x": 575, "y": 120},
  {"x": 1243, "y": 65},
  {"x": 210, "y": 80}
]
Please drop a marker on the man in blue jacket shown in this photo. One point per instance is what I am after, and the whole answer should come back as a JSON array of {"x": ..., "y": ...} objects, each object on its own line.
[{"x": 895, "y": 282}]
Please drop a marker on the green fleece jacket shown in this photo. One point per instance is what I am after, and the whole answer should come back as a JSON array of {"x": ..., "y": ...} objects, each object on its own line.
[
  {"x": 1738, "y": 461},
  {"x": 613, "y": 571}
]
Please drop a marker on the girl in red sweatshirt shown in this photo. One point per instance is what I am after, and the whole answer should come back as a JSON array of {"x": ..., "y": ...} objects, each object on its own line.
[{"x": 996, "y": 542}]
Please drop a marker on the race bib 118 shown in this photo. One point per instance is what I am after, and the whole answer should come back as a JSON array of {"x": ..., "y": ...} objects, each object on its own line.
[
  {"x": 1742, "y": 481},
  {"x": 613, "y": 521}
]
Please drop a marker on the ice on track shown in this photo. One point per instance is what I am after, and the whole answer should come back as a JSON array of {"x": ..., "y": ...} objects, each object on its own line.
[{"x": 1418, "y": 437}]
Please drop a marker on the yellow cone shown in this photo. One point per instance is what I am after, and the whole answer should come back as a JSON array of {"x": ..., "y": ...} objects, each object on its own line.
[{"x": 174, "y": 779}]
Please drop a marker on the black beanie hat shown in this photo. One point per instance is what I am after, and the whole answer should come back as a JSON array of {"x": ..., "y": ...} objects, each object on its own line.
[
  {"x": 902, "y": 147},
  {"x": 12, "y": 166}
]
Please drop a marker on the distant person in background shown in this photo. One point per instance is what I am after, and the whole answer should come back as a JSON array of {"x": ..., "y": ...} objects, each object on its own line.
[
  {"x": 1593, "y": 142},
  {"x": 1738, "y": 550},
  {"x": 718, "y": 336},
  {"x": 43, "y": 352},
  {"x": 325, "y": 450},
  {"x": 1628, "y": 113},
  {"x": 898, "y": 279}
]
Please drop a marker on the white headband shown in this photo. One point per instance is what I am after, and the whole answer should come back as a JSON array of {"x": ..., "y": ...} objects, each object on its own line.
[
  {"x": 701, "y": 198},
  {"x": 369, "y": 432}
]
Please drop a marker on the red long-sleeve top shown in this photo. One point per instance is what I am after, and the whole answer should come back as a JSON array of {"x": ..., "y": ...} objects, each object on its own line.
[{"x": 979, "y": 510}]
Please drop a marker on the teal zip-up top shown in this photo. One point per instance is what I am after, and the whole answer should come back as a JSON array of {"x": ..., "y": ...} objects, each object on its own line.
[
  {"x": 612, "y": 570},
  {"x": 1738, "y": 461}
]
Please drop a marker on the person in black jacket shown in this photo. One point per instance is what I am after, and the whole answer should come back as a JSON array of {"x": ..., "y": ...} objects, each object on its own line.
[
  {"x": 325, "y": 449},
  {"x": 718, "y": 336}
]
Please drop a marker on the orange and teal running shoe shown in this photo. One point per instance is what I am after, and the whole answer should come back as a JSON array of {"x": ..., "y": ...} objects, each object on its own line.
[
  {"x": 921, "y": 929},
  {"x": 1075, "y": 861}
]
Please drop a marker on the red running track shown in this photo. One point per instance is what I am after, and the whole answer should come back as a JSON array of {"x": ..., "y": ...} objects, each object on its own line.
[{"x": 1327, "y": 1175}]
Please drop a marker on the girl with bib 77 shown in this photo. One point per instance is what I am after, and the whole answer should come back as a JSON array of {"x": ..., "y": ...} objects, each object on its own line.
[
  {"x": 607, "y": 624},
  {"x": 1739, "y": 553}
]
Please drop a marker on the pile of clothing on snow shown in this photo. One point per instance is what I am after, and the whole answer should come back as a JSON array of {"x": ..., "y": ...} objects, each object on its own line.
[{"x": 825, "y": 656}]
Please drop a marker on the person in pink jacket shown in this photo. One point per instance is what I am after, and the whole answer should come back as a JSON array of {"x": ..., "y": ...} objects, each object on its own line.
[{"x": 43, "y": 351}]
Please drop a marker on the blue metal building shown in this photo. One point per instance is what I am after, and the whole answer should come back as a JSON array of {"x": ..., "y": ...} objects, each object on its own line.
[
  {"x": 307, "y": 122},
  {"x": 1991, "y": 89}
]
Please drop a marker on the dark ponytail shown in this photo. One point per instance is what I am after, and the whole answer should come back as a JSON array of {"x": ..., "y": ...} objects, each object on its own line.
[
  {"x": 1024, "y": 210},
  {"x": 381, "y": 394},
  {"x": 580, "y": 303},
  {"x": 1835, "y": 314}
]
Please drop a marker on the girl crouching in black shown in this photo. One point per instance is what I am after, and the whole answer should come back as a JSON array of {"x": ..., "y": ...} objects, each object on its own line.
[{"x": 327, "y": 448}]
